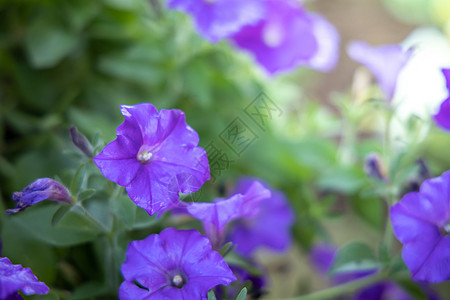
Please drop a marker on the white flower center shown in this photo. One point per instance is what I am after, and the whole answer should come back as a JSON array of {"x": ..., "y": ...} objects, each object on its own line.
[
  {"x": 178, "y": 281},
  {"x": 447, "y": 229},
  {"x": 273, "y": 35},
  {"x": 144, "y": 157}
]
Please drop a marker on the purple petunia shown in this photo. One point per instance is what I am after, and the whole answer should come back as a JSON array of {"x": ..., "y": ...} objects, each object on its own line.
[
  {"x": 40, "y": 190},
  {"x": 15, "y": 277},
  {"x": 288, "y": 37},
  {"x": 442, "y": 118},
  {"x": 175, "y": 264},
  {"x": 217, "y": 215},
  {"x": 218, "y": 19},
  {"x": 269, "y": 227},
  {"x": 385, "y": 62},
  {"x": 155, "y": 156},
  {"x": 421, "y": 221}
]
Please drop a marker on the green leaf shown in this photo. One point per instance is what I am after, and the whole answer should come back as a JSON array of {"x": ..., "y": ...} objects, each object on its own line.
[
  {"x": 75, "y": 227},
  {"x": 242, "y": 294},
  {"x": 86, "y": 194},
  {"x": 370, "y": 210},
  {"x": 78, "y": 180},
  {"x": 412, "y": 288},
  {"x": 124, "y": 209},
  {"x": 138, "y": 64},
  {"x": 211, "y": 295},
  {"x": 57, "y": 216},
  {"x": 355, "y": 256},
  {"x": 342, "y": 179},
  {"x": 47, "y": 42},
  {"x": 227, "y": 248},
  {"x": 143, "y": 219},
  {"x": 99, "y": 210},
  {"x": 89, "y": 290}
]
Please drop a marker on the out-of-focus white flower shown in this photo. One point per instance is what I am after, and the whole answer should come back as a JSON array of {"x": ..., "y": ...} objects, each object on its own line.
[{"x": 421, "y": 85}]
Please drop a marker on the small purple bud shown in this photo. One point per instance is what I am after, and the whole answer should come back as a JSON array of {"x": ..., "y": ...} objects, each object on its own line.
[
  {"x": 374, "y": 167},
  {"x": 81, "y": 142},
  {"x": 40, "y": 190}
]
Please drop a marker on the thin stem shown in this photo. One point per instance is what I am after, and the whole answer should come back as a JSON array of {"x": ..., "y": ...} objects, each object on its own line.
[{"x": 343, "y": 288}]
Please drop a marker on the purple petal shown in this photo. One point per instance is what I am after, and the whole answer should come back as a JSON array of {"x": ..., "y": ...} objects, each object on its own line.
[
  {"x": 442, "y": 118},
  {"x": 256, "y": 192},
  {"x": 328, "y": 39},
  {"x": 385, "y": 62},
  {"x": 446, "y": 73},
  {"x": 322, "y": 257},
  {"x": 283, "y": 39},
  {"x": 269, "y": 228},
  {"x": 420, "y": 221},
  {"x": 14, "y": 278},
  {"x": 220, "y": 18},
  {"x": 118, "y": 161},
  {"x": 215, "y": 216},
  {"x": 149, "y": 189}
]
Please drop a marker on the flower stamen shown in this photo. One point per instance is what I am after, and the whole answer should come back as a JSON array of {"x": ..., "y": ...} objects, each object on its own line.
[
  {"x": 446, "y": 229},
  {"x": 178, "y": 281}
]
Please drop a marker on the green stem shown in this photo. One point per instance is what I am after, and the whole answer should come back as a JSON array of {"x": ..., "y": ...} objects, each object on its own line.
[{"x": 343, "y": 288}]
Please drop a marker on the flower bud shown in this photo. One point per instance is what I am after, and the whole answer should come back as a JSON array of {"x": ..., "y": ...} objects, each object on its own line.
[
  {"x": 374, "y": 167},
  {"x": 40, "y": 190},
  {"x": 81, "y": 142}
]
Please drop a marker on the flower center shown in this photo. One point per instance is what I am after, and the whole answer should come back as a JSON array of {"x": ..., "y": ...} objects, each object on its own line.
[
  {"x": 178, "y": 281},
  {"x": 446, "y": 229},
  {"x": 273, "y": 35},
  {"x": 144, "y": 155}
]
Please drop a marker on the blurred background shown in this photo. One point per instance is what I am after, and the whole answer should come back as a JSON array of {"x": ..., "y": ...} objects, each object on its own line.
[{"x": 73, "y": 62}]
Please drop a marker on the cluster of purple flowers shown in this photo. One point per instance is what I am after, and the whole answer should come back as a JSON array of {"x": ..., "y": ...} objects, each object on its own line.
[
  {"x": 156, "y": 157},
  {"x": 280, "y": 34}
]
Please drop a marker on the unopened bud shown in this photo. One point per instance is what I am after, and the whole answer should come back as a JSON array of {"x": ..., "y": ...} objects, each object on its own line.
[
  {"x": 374, "y": 167},
  {"x": 81, "y": 142},
  {"x": 40, "y": 190}
]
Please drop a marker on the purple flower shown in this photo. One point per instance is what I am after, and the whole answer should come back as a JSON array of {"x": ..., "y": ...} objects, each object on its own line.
[
  {"x": 155, "y": 156},
  {"x": 442, "y": 118},
  {"x": 217, "y": 19},
  {"x": 40, "y": 190},
  {"x": 288, "y": 37},
  {"x": 175, "y": 264},
  {"x": 15, "y": 277},
  {"x": 215, "y": 216},
  {"x": 385, "y": 62},
  {"x": 421, "y": 221},
  {"x": 269, "y": 227}
]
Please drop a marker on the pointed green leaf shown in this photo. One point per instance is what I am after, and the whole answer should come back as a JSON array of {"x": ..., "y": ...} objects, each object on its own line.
[{"x": 242, "y": 294}]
